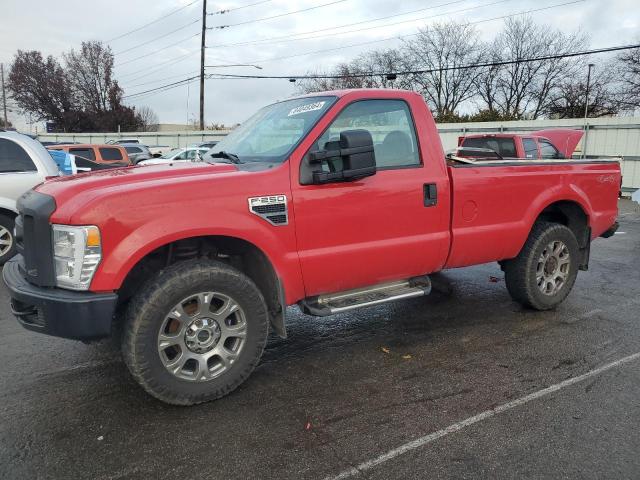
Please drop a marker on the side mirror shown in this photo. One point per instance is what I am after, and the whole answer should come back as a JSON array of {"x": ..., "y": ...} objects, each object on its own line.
[{"x": 352, "y": 158}]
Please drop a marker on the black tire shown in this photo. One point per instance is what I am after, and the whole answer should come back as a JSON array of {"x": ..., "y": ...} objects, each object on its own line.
[
  {"x": 7, "y": 224},
  {"x": 521, "y": 273},
  {"x": 146, "y": 315}
]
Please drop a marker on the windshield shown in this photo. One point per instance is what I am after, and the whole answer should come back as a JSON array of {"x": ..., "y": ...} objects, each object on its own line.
[
  {"x": 273, "y": 132},
  {"x": 171, "y": 153}
]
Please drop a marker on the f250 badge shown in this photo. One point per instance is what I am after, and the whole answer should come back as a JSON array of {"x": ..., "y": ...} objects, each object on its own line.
[{"x": 272, "y": 208}]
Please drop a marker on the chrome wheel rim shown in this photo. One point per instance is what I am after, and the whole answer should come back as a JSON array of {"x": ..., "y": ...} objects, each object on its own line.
[
  {"x": 6, "y": 240},
  {"x": 553, "y": 268},
  {"x": 202, "y": 336}
]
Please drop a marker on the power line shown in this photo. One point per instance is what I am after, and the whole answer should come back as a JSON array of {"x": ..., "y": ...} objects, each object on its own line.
[
  {"x": 397, "y": 37},
  {"x": 158, "y": 80},
  {"x": 277, "y": 16},
  {"x": 158, "y": 67},
  {"x": 158, "y": 38},
  {"x": 227, "y": 10},
  {"x": 433, "y": 70},
  {"x": 158, "y": 50},
  {"x": 173, "y": 84},
  {"x": 269, "y": 40},
  {"x": 405, "y": 21},
  {"x": 153, "y": 22}
]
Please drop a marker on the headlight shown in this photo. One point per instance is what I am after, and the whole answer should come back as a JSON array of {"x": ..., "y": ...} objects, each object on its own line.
[{"x": 76, "y": 254}]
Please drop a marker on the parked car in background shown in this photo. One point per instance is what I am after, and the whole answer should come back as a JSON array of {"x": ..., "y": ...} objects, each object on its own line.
[
  {"x": 158, "y": 150},
  {"x": 49, "y": 144},
  {"x": 137, "y": 152},
  {"x": 97, "y": 153},
  {"x": 24, "y": 163},
  {"x": 69, "y": 164},
  {"x": 120, "y": 141},
  {"x": 209, "y": 144},
  {"x": 189, "y": 154},
  {"x": 543, "y": 144}
]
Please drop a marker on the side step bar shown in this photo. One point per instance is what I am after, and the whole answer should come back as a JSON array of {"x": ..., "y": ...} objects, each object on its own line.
[{"x": 338, "y": 302}]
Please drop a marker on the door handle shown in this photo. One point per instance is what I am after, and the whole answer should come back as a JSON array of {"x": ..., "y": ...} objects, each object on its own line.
[{"x": 430, "y": 194}]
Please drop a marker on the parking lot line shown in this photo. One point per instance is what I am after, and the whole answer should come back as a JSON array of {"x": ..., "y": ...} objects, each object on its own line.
[{"x": 422, "y": 441}]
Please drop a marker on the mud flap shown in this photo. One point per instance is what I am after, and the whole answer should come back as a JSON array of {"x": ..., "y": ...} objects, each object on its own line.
[
  {"x": 585, "y": 249},
  {"x": 277, "y": 318}
]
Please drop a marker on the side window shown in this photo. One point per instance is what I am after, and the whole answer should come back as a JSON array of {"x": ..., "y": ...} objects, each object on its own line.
[
  {"x": 181, "y": 156},
  {"x": 131, "y": 150},
  {"x": 390, "y": 125},
  {"x": 84, "y": 153},
  {"x": 503, "y": 146},
  {"x": 13, "y": 158},
  {"x": 110, "y": 153},
  {"x": 191, "y": 154},
  {"x": 530, "y": 148},
  {"x": 547, "y": 150}
]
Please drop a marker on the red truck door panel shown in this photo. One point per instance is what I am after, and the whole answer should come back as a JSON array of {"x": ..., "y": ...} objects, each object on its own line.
[{"x": 353, "y": 234}]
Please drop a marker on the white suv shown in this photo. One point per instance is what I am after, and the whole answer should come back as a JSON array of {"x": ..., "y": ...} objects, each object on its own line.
[{"x": 24, "y": 163}]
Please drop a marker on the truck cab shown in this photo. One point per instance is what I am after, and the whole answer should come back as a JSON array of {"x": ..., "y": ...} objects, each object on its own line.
[{"x": 330, "y": 202}]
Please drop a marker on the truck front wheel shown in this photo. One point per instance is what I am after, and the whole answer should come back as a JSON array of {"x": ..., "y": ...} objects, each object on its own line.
[
  {"x": 543, "y": 273},
  {"x": 195, "y": 332}
]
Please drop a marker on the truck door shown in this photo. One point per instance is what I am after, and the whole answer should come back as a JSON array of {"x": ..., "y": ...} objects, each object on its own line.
[{"x": 391, "y": 225}]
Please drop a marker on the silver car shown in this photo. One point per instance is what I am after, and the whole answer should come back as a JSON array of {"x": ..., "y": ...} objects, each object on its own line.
[
  {"x": 137, "y": 152},
  {"x": 24, "y": 163}
]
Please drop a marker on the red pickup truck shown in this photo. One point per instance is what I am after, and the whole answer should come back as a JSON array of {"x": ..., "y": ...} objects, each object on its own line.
[
  {"x": 330, "y": 201},
  {"x": 557, "y": 143}
]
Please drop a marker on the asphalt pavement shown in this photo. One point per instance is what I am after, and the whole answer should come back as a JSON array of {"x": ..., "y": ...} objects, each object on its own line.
[{"x": 464, "y": 384}]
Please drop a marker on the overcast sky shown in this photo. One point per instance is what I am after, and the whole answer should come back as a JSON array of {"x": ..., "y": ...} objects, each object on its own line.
[{"x": 55, "y": 27}]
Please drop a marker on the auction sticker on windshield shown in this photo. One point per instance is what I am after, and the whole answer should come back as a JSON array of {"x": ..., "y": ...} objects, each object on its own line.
[{"x": 309, "y": 107}]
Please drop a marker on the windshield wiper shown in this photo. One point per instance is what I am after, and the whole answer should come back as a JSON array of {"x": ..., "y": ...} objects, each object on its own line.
[{"x": 229, "y": 156}]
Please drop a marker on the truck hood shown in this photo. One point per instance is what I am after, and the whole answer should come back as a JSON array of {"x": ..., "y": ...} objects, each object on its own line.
[
  {"x": 564, "y": 139},
  {"x": 125, "y": 182}
]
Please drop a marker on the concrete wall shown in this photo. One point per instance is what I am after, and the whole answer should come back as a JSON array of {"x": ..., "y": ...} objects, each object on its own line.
[{"x": 618, "y": 136}]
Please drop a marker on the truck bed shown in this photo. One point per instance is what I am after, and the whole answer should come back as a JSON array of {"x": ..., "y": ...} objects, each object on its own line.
[{"x": 494, "y": 203}]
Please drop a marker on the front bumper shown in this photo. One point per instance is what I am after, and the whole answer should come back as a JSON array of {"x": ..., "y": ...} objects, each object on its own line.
[{"x": 58, "y": 312}]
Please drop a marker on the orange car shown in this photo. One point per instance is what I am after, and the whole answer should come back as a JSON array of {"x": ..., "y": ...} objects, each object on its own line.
[{"x": 109, "y": 154}]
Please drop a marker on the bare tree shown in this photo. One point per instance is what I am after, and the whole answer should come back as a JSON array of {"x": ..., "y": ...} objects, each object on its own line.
[
  {"x": 80, "y": 96},
  {"x": 568, "y": 100},
  {"x": 39, "y": 86},
  {"x": 439, "y": 49},
  {"x": 629, "y": 70},
  {"x": 92, "y": 75},
  {"x": 148, "y": 120},
  {"x": 357, "y": 73},
  {"x": 522, "y": 89}
]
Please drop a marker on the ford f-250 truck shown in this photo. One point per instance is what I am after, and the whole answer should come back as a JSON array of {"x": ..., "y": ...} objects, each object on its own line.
[{"x": 331, "y": 201}]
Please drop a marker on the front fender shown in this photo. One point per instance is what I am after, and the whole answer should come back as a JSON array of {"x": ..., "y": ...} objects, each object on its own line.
[{"x": 122, "y": 252}]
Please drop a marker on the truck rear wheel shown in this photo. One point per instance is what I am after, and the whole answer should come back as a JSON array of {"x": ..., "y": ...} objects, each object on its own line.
[
  {"x": 195, "y": 332},
  {"x": 543, "y": 273},
  {"x": 7, "y": 242}
]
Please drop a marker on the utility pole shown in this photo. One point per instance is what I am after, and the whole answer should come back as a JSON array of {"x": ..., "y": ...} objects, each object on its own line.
[
  {"x": 586, "y": 96},
  {"x": 4, "y": 96},
  {"x": 202, "y": 47},
  {"x": 586, "y": 112}
]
